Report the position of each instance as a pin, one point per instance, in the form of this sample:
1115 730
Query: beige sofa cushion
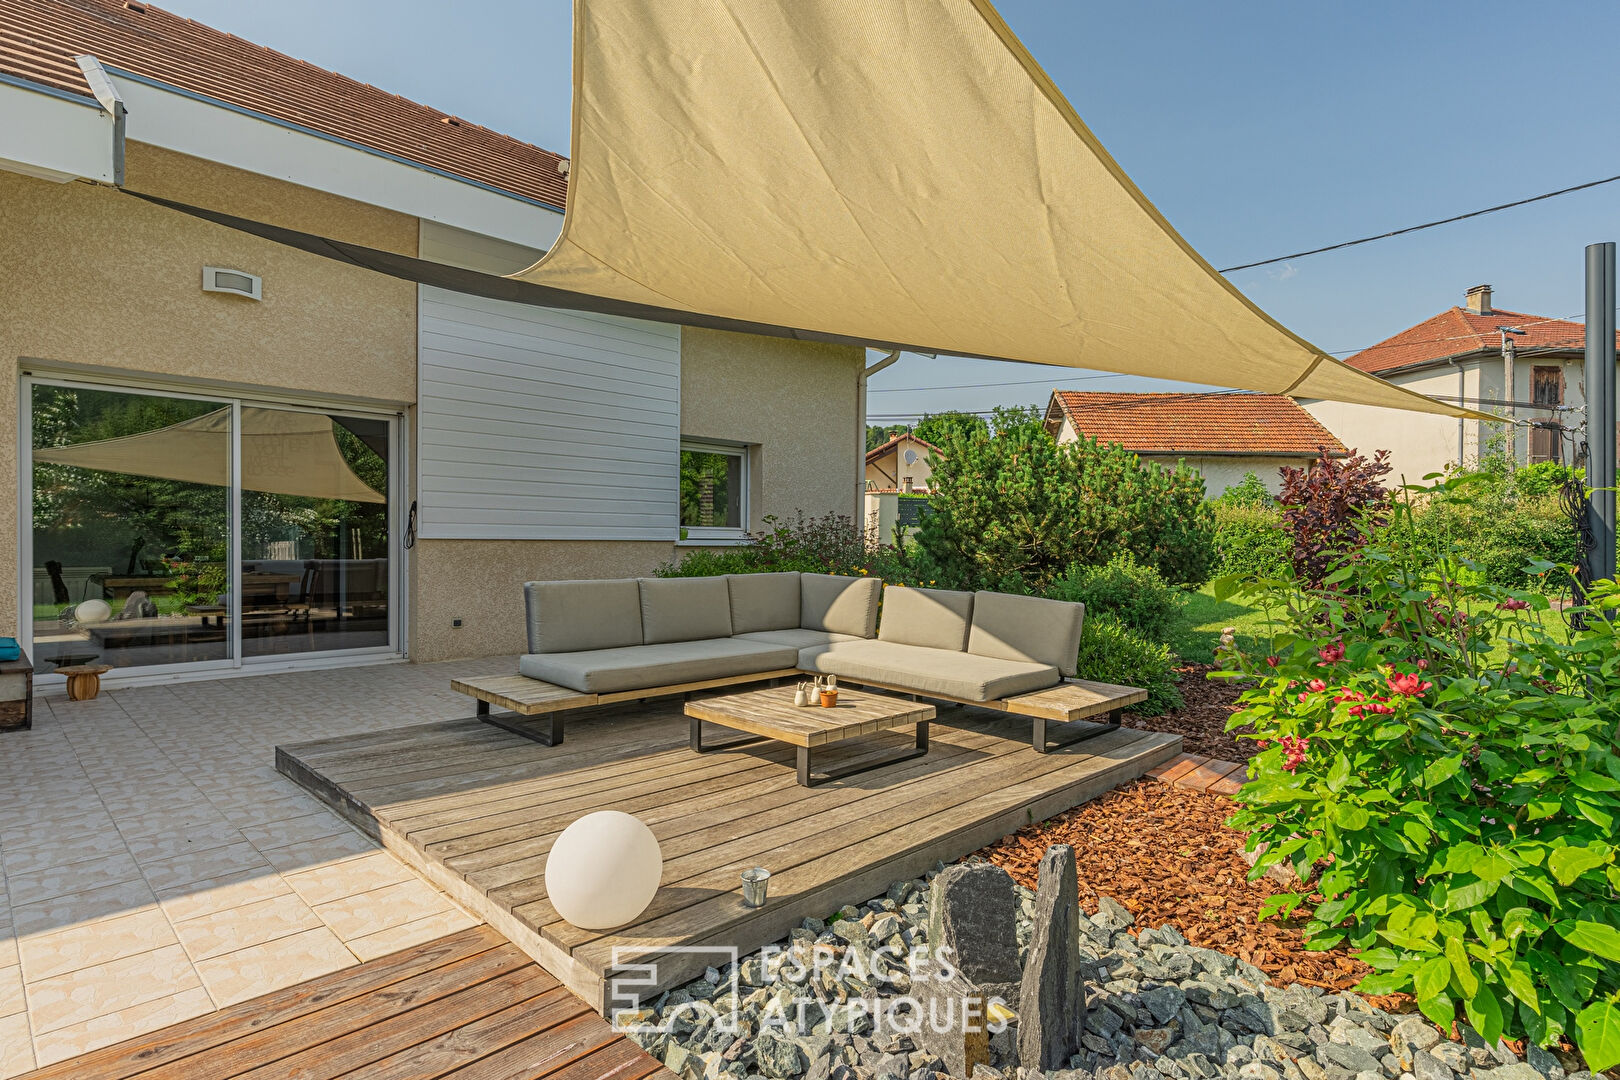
796 638
932 618
929 671
568 616
1027 628
839 605
684 609
763 602
642 667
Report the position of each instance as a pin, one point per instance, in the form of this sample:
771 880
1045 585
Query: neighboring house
1222 436
1458 356
901 464
898 480
324 464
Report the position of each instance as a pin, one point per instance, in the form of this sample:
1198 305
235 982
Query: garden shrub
1250 492
1443 749
1250 540
1112 652
1016 503
1545 478
1124 590
1326 504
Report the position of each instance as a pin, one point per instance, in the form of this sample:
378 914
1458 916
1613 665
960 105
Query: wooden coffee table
771 714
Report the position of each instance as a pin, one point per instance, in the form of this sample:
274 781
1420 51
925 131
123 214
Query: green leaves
1593 937
1432 978
1599 1027
1441 770
1485 1013
1569 863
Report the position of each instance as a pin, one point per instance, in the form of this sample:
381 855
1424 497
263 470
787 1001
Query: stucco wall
1419 443
794 402
1220 472
89 276
481 582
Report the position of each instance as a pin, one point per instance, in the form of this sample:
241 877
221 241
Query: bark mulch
1201 723
1168 856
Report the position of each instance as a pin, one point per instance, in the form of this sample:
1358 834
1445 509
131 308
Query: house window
714 491
1546 389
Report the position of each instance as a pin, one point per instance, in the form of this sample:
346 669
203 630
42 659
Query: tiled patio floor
156 866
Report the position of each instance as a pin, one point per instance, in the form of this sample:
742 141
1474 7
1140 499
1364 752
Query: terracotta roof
1257 424
1459 332
40 38
878 451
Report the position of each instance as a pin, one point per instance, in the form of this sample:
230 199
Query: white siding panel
536 424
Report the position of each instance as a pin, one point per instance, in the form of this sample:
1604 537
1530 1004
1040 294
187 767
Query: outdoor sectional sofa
597 642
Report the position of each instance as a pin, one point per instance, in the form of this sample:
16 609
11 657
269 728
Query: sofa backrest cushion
932 618
762 602
684 609
839 605
1027 628
573 616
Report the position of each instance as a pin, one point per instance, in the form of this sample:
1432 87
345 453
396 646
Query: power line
1337 352
1425 225
976 386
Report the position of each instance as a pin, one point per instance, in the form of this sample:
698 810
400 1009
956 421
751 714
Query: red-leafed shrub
1328 505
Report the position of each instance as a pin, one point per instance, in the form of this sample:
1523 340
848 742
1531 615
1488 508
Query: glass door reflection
315 545
131 528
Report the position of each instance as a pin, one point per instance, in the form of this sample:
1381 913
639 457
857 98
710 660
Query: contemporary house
1223 436
1467 354
235 455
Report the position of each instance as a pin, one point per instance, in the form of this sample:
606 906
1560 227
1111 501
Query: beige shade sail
283 452
898 172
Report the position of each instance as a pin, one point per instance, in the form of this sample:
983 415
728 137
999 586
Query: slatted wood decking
465 1007
475 809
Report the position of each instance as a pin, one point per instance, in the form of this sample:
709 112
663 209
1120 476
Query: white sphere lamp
603 870
93 611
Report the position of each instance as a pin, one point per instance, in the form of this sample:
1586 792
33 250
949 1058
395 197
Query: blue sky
1259 128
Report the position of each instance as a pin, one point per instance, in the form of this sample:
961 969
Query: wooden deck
469 1007
475 810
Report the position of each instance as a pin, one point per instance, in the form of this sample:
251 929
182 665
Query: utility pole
1600 407
1509 393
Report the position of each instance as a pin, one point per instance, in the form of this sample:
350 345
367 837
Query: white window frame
710 536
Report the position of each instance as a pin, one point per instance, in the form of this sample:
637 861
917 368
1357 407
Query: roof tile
1459 332
40 38
1234 423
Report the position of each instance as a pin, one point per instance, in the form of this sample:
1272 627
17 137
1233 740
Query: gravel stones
1156 1007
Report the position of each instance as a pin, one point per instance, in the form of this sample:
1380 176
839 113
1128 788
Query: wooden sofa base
1070 701
531 697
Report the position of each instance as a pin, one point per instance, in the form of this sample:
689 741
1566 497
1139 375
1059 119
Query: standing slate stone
1052 999
973 912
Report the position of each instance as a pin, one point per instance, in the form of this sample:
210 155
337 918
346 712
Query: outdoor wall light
603 870
222 279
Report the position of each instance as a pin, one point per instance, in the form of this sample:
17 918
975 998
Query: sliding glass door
171 530
315 559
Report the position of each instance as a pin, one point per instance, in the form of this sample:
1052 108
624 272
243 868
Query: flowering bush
1444 755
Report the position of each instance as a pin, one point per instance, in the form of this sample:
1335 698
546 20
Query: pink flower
1317 685
1331 654
1408 685
1423 665
1513 605
1294 751
1273 661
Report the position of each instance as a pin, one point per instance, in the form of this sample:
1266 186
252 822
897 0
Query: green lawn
1207 617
